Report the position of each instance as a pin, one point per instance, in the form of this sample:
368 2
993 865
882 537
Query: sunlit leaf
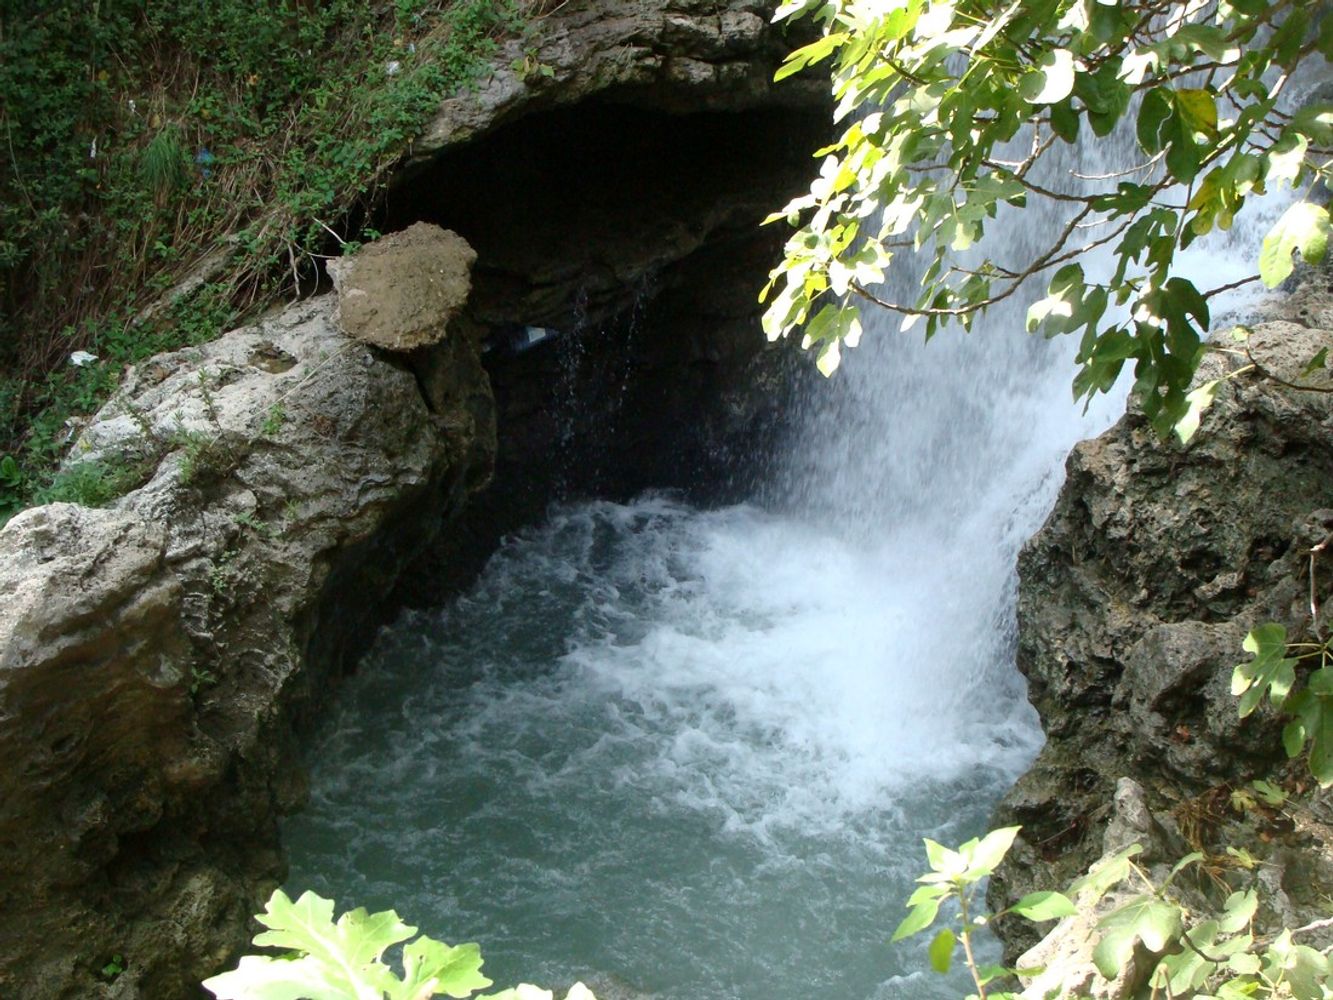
1052 80
987 854
1199 111
1199 399
1106 873
1304 227
1153 921
921 917
1039 906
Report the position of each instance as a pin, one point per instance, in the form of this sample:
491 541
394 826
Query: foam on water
684 750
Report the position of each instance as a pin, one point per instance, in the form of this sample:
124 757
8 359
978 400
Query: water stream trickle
684 753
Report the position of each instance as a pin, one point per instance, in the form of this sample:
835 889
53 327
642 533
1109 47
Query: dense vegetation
171 167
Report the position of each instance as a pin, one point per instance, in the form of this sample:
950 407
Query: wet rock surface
1137 593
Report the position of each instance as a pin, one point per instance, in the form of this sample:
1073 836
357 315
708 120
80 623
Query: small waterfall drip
590 389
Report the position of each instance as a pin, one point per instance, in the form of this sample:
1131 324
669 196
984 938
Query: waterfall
683 753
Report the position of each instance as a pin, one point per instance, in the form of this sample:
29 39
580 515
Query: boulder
402 291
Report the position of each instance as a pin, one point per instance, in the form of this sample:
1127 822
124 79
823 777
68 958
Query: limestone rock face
691 55
401 292
155 655
1136 594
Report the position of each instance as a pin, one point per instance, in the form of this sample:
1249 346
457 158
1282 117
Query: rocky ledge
1134 600
154 654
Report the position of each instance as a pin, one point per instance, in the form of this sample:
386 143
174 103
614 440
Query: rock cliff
1136 594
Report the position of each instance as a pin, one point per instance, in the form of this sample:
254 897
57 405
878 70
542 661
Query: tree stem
966 935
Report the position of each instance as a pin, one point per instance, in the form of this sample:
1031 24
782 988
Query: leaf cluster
324 959
1274 672
936 93
1211 956
954 878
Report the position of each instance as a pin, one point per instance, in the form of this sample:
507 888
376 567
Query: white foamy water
683 753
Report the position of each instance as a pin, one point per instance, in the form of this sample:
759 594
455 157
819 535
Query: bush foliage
145 143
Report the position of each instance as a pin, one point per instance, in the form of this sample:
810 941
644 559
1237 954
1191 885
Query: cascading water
688 753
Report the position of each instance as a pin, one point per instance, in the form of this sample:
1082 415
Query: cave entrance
620 253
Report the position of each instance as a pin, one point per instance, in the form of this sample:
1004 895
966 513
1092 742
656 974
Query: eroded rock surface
1136 594
154 655
692 55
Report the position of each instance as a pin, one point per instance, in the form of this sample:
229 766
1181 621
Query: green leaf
987 855
262 978
10 473
1239 909
941 858
1293 737
1286 159
1065 121
344 960
1245 963
433 965
921 917
306 925
1153 114
1199 111
1272 795
1316 363
1153 921
1039 906
941 951
1106 873
937 890
1271 671
1199 400
1194 857
1182 153
1051 81
1318 719
808 55
1186 970
1304 227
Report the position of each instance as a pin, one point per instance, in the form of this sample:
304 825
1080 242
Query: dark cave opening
620 256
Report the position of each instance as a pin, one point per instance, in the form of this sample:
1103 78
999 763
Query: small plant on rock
953 881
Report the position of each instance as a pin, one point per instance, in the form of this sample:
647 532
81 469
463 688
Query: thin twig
1283 382
1228 287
